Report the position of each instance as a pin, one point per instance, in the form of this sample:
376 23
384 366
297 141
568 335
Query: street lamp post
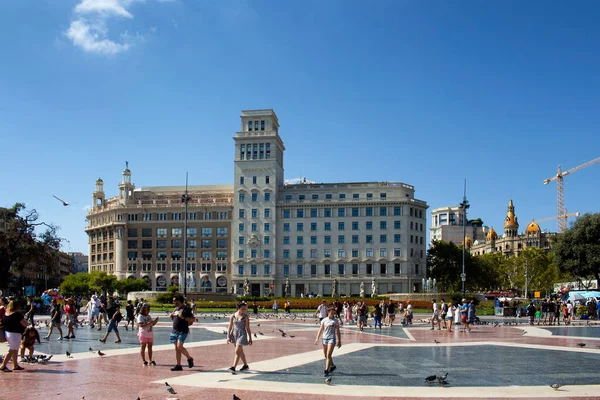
464 206
184 199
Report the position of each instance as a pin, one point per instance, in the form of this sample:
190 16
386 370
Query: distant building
511 242
80 262
447 225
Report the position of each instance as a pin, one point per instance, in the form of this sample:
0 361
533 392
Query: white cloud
106 7
88 30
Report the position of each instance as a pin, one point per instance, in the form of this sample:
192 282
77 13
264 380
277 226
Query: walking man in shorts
182 318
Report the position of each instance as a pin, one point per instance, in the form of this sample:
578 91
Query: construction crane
575 214
560 203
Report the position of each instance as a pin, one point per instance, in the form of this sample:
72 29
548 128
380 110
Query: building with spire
263 234
511 242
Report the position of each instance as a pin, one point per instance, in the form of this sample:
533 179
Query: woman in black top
14 326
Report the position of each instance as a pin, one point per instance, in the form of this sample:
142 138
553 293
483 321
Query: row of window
256 151
329 196
174 216
177 232
341 239
327 270
341 253
176 244
176 267
253 197
175 255
344 212
262 125
340 226
255 180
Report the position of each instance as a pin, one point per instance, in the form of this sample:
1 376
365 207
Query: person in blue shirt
464 310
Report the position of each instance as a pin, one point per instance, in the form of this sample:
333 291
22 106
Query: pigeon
255 335
292 336
69 355
581 344
170 389
138 398
256 325
101 353
61 200
443 378
430 378
435 341
555 386
235 398
260 333
283 334
90 349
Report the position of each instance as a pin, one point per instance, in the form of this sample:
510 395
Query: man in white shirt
435 316
322 310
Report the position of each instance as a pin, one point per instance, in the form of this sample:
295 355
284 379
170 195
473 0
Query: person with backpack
531 312
114 313
182 318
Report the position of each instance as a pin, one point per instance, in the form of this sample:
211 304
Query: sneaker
177 368
153 363
23 360
190 362
145 363
59 339
332 368
67 337
326 373
244 368
72 336
232 370
5 369
117 341
102 340
47 337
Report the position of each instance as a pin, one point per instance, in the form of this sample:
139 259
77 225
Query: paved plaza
503 361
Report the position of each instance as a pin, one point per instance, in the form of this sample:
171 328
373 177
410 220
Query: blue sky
423 92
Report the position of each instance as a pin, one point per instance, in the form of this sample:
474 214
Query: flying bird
555 386
62 201
170 389
101 353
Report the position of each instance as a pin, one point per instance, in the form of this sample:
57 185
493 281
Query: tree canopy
84 283
21 245
577 250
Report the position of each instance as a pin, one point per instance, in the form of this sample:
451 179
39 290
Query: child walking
113 325
28 341
238 333
330 329
145 333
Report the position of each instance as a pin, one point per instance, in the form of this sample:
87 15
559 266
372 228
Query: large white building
263 231
447 225
307 234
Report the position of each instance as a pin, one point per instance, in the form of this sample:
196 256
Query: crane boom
560 196
575 214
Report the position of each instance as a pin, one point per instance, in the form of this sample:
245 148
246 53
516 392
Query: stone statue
373 288
334 288
287 287
362 289
246 287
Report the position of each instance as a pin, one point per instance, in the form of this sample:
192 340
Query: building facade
447 225
261 234
140 234
511 242
80 262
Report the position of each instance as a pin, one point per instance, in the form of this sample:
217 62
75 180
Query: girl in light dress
145 333
238 333
347 312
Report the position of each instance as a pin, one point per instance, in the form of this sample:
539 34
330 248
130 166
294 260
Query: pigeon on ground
292 336
170 389
260 333
443 377
555 386
256 325
283 334
69 355
235 397
90 349
101 353
430 378
435 341
255 335
581 344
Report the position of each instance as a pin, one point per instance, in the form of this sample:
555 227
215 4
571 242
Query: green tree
491 268
101 282
577 250
76 284
22 246
444 263
125 286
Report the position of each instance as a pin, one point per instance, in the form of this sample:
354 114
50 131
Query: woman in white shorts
14 326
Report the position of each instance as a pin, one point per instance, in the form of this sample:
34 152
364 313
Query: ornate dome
468 241
533 227
491 235
511 219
